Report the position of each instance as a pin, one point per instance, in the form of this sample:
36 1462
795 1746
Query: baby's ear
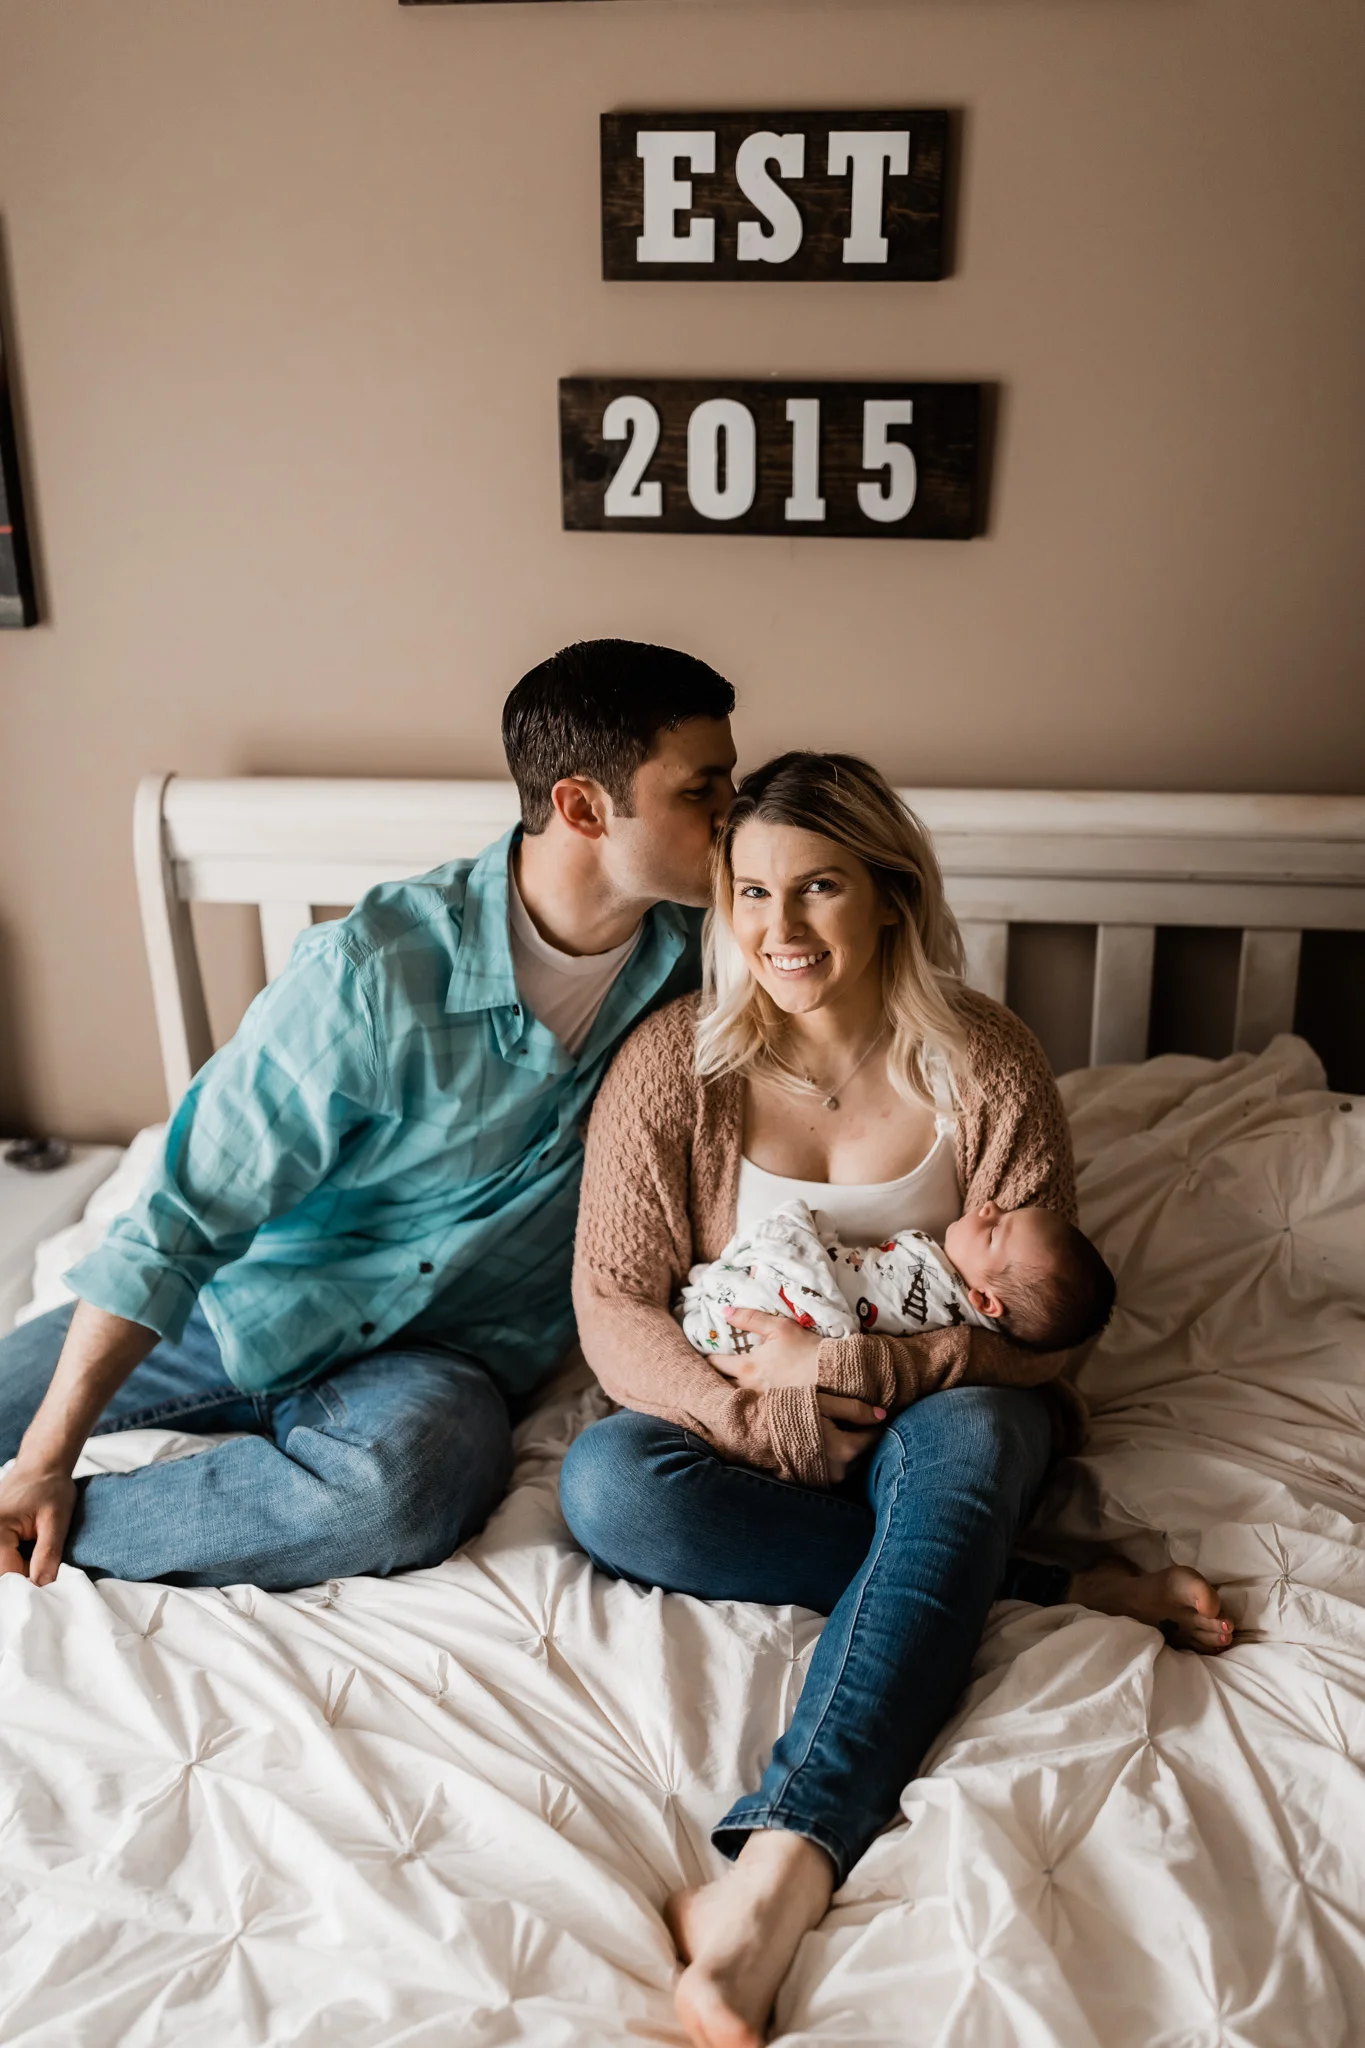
986 1302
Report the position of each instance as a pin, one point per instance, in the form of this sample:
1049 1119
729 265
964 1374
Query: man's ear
986 1303
582 805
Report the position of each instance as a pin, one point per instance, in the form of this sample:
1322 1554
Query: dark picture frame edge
19 599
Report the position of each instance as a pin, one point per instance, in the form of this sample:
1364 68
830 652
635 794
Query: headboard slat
1121 1006
987 947
281 924
1267 985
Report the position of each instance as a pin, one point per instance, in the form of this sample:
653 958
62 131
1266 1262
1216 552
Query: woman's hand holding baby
785 1355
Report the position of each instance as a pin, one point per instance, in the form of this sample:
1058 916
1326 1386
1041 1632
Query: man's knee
416 1515
414 1497
444 1496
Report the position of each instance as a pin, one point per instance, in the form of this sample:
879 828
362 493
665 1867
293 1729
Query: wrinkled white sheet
446 1809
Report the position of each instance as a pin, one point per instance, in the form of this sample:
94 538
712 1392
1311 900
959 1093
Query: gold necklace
830 1099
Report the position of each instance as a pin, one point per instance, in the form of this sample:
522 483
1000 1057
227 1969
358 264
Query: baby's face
989 1244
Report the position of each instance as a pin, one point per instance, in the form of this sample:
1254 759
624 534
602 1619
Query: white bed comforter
446 1808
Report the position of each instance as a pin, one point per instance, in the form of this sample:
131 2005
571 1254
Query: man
357 1244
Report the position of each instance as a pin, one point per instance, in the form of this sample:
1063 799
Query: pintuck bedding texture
447 1807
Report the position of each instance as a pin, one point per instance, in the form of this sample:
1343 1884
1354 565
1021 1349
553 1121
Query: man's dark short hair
596 709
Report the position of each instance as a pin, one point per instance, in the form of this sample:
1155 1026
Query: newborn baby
1028 1274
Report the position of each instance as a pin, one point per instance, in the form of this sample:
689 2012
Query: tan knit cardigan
660 1184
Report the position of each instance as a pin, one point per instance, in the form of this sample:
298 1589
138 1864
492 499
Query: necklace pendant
831 1102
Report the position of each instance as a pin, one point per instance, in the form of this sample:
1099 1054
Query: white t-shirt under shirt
564 990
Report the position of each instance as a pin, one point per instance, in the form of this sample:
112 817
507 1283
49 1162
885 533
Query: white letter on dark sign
627 497
783 238
869 153
712 418
805 502
667 195
886 504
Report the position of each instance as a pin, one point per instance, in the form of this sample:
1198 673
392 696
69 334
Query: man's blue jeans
905 1565
391 1461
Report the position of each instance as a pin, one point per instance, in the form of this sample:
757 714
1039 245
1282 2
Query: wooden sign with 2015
681 455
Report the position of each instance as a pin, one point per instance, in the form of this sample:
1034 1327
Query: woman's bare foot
1178 1601
738 1936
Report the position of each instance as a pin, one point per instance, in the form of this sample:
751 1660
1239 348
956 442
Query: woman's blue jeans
905 1563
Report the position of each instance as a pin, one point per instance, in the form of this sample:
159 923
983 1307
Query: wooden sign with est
846 198
681 455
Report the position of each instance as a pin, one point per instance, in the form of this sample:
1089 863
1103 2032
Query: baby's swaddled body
792 1264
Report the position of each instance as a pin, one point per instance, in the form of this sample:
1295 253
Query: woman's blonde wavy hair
845 800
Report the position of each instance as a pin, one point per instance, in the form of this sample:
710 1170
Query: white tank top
927 1198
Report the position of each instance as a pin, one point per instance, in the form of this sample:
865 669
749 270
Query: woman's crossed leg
907 1575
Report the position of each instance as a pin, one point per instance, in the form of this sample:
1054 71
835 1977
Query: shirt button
367 1329
516 1009
426 1267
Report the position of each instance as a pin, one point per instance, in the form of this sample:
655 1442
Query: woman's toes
1191 1631
1196 1610
1179 1601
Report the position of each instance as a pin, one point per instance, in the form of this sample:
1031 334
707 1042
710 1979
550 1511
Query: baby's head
1034 1273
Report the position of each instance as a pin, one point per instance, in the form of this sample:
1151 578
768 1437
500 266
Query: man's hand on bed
35 1508
37 1494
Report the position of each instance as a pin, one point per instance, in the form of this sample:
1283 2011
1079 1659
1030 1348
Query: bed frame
1271 866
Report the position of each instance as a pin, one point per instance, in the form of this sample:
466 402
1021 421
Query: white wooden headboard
1271 866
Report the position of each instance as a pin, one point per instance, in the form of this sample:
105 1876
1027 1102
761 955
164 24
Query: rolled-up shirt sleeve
260 1127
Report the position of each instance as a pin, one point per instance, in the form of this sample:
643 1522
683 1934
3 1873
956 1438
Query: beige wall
293 281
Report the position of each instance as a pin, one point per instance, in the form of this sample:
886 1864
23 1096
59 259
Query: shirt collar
483 977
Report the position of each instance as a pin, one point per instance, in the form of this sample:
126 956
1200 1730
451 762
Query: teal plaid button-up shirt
391 1142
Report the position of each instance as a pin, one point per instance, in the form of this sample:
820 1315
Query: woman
835 1055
